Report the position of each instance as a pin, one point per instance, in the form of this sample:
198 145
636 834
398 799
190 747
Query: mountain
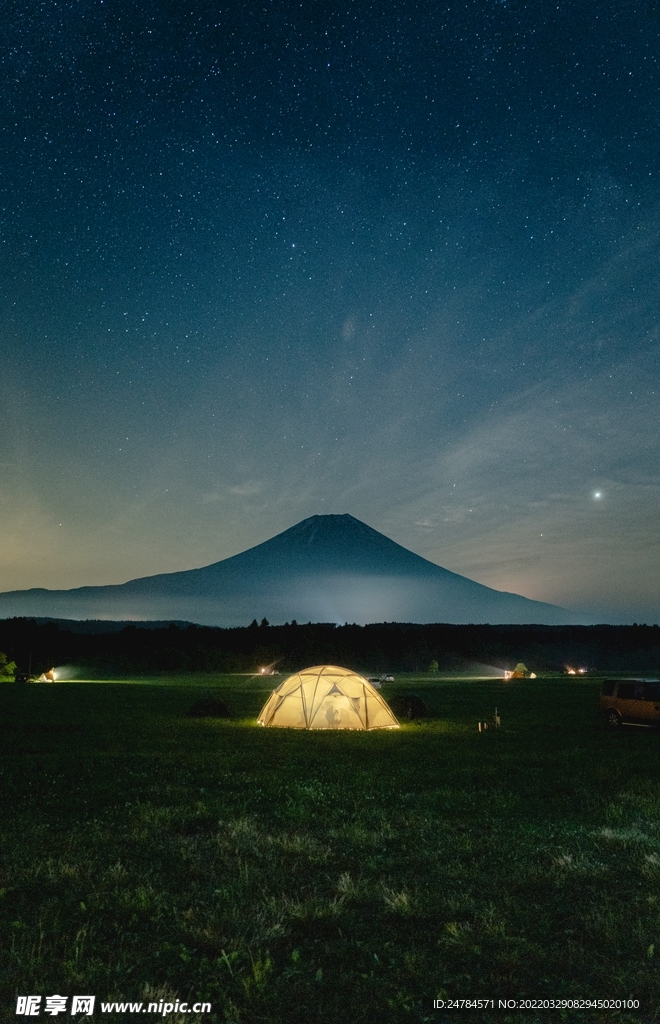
330 568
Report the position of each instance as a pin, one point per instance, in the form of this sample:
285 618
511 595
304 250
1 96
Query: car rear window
607 689
652 691
626 691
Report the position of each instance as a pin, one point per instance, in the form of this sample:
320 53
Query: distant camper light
326 697
519 672
47 677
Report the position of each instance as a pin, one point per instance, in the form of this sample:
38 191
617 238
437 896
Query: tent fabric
326 697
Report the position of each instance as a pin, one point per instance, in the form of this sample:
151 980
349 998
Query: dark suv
631 702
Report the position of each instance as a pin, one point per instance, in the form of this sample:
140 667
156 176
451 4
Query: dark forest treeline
384 647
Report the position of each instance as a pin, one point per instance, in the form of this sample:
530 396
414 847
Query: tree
433 667
7 668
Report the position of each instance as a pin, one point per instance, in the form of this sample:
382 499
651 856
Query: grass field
328 877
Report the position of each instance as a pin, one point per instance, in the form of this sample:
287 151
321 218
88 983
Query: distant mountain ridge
328 568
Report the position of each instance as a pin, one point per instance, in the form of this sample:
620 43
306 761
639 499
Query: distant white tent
326 697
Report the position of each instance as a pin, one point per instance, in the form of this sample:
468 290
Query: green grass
328 877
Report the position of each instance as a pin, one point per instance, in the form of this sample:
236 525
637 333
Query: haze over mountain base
330 568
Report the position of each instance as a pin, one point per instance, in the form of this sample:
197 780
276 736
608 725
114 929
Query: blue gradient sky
397 261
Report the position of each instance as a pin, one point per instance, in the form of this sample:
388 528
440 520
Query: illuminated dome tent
326 697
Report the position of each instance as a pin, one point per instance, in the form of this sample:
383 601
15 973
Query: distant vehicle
631 702
22 677
376 681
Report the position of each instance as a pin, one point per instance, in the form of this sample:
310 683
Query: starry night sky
263 261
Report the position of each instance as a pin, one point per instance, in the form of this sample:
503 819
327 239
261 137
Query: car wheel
613 720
